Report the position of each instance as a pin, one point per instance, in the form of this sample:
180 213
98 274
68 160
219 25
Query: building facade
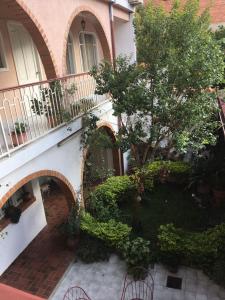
46 51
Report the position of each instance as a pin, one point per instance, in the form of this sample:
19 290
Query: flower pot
19 138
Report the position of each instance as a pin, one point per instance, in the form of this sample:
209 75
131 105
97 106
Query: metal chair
75 293
138 289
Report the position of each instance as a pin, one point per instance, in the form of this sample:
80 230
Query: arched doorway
37 247
101 160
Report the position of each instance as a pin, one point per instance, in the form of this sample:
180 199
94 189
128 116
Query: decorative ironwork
28 112
76 293
141 288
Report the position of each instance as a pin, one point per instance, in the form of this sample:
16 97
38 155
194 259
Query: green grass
172 204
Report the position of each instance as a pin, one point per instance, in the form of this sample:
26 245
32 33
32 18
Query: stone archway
16 10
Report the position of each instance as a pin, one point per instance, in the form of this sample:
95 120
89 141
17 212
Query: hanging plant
13 213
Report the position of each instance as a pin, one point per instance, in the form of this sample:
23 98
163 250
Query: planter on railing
42 107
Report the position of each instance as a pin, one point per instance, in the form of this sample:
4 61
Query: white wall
124 3
67 159
125 38
18 236
44 154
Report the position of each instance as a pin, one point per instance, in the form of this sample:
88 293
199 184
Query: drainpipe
111 17
111 2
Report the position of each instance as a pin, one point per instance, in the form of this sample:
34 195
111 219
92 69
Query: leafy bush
112 232
72 225
199 250
91 249
115 234
136 252
104 200
177 169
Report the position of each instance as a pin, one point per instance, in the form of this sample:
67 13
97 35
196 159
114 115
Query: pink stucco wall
57 17
53 20
7 77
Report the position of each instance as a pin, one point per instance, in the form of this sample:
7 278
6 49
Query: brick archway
17 10
64 184
116 159
99 28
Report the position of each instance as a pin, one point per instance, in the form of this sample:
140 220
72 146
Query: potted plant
13 213
49 104
19 135
71 228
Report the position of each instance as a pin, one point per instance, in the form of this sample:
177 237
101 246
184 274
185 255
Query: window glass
3 64
88 51
71 69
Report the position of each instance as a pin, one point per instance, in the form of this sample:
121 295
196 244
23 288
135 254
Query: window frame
70 35
96 48
3 55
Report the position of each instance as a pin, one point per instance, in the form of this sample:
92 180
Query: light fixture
83 24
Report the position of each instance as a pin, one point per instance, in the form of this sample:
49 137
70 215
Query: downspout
111 16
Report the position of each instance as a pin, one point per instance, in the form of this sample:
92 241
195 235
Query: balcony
28 112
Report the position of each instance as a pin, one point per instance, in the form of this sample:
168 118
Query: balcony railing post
4 137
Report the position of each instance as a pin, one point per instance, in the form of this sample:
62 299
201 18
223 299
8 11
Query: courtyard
105 280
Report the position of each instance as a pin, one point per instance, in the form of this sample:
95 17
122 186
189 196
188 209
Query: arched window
71 68
88 49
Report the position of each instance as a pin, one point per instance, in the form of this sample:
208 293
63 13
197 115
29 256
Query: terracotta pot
18 139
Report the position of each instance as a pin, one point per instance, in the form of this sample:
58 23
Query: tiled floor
105 281
41 265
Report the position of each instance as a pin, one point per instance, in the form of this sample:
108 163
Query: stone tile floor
105 281
41 265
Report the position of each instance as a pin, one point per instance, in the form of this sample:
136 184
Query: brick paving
40 266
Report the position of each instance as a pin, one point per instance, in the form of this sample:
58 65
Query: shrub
199 250
91 249
117 235
71 227
104 200
136 252
112 232
177 170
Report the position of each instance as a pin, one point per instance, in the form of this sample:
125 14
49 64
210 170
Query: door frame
10 26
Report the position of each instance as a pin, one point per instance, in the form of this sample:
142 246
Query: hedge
104 200
112 232
201 250
115 234
173 167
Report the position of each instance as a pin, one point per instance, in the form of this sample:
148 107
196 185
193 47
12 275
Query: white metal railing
30 111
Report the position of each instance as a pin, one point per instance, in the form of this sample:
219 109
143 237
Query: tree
164 98
219 35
